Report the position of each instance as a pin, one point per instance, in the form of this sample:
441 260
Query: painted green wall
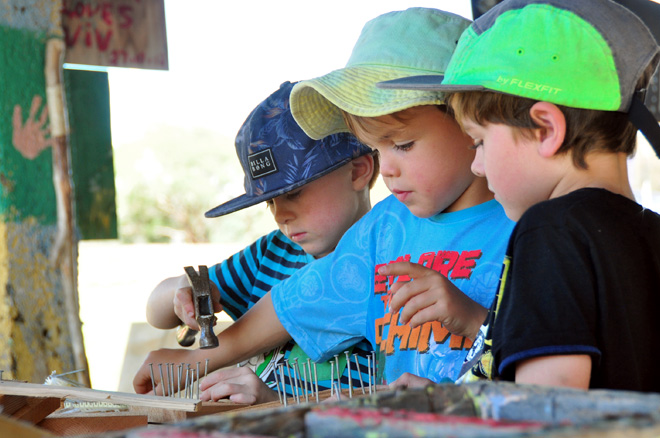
33 330
27 187
90 140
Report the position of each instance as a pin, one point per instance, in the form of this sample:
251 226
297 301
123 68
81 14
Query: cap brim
426 83
316 104
245 201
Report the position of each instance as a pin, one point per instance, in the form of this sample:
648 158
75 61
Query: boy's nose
281 211
388 168
478 164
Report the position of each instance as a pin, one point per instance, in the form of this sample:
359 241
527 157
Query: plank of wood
162 416
95 423
30 409
10 427
209 408
323 395
8 387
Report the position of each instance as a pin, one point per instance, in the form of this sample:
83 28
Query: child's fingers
222 375
418 299
215 298
405 291
241 385
243 398
398 269
184 308
407 380
420 312
400 293
218 391
401 268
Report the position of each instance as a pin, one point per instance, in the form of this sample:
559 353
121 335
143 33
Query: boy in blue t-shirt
315 190
441 219
552 93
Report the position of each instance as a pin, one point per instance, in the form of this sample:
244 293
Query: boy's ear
362 171
552 129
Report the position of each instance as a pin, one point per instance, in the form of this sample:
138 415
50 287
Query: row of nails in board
182 380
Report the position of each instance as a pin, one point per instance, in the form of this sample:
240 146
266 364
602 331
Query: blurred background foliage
167 179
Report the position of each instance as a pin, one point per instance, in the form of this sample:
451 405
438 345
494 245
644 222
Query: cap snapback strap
645 121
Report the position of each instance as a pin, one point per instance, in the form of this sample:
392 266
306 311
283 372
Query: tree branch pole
64 252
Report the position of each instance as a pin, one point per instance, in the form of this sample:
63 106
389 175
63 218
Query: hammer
201 287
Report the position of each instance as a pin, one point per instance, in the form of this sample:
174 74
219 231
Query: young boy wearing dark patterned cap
315 189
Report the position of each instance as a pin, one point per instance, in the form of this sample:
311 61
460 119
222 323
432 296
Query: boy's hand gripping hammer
203 305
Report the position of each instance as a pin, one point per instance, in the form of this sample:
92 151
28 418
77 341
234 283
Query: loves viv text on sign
115 33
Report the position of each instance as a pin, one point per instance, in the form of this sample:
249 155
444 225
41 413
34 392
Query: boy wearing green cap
441 218
551 92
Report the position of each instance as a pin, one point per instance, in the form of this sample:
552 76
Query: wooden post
64 253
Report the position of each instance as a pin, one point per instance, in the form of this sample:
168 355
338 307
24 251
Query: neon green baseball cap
578 53
416 41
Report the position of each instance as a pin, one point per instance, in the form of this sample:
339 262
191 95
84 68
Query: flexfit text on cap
277 156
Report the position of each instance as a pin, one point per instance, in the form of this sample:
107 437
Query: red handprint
33 137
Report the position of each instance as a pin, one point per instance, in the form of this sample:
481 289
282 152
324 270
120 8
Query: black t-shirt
584 278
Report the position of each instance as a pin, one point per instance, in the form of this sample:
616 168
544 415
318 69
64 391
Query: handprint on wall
33 136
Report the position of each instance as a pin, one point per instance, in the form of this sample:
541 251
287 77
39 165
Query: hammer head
203 305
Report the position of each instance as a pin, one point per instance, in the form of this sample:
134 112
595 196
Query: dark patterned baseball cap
278 157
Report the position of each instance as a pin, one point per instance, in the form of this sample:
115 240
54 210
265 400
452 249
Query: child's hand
407 380
241 385
184 307
142 379
432 297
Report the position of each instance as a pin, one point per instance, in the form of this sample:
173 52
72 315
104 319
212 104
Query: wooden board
10 427
162 416
8 387
87 424
30 409
324 396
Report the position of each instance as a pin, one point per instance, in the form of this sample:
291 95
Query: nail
299 381
191 373
162 384
295 385
316 383
359 373
350 378
332 377
284 394
369 371
153 381
170 379
277 385
198 380
288 372
304 379
374 365
338 375
187 379
179 367
309 373
337 391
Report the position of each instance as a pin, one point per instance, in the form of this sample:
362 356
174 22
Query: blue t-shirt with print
339 300
246 277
